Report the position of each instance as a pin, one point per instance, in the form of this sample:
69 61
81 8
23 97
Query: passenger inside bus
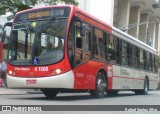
111 53
60 44
48 48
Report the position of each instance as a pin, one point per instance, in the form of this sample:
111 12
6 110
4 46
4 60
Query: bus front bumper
64 81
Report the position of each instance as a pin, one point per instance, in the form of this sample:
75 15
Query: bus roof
136 41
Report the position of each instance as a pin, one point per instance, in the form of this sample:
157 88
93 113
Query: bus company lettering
22 68
124 72
80 75
39 14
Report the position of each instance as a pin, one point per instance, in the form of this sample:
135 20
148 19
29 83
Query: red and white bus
63 48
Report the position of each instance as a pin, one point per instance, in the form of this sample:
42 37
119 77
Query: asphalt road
82 99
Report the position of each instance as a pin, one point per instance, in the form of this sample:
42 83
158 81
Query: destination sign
39 14
42 13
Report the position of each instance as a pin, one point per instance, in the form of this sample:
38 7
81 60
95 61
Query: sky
106 14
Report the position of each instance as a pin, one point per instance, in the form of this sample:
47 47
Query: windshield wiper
45 25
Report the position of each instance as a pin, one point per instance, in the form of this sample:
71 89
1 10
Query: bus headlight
10 72
57 71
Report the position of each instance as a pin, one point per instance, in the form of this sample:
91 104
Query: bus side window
117 55
82 44
141 59
148 61
135 57
78 42
130 63
99 45
145 59
78 50
124 53
153 69
156 64
111 49
86 46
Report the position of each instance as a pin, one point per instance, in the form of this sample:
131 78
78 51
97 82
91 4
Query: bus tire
145 90
50 93
100 86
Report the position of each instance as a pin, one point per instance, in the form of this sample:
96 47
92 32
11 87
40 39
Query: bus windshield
38 42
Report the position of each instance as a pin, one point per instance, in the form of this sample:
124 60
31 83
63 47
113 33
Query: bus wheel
144 91
50 93
100 86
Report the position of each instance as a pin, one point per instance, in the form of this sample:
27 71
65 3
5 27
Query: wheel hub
101 85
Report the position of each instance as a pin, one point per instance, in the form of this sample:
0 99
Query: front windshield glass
38 42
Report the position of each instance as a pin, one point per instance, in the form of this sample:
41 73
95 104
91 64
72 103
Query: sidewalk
7 91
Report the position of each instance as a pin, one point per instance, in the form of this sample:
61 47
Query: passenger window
99 45
141 66
82 44
124 53
117 50
111 49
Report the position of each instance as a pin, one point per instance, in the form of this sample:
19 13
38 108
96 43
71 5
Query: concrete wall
143 28
151 34
157 34
134 18
122 13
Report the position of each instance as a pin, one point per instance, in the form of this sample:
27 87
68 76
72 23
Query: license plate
31 81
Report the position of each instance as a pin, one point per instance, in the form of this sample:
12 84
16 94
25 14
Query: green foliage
19 5
54 2
15 5
159 61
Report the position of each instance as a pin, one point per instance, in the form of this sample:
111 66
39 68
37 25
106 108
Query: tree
54 2
14 6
